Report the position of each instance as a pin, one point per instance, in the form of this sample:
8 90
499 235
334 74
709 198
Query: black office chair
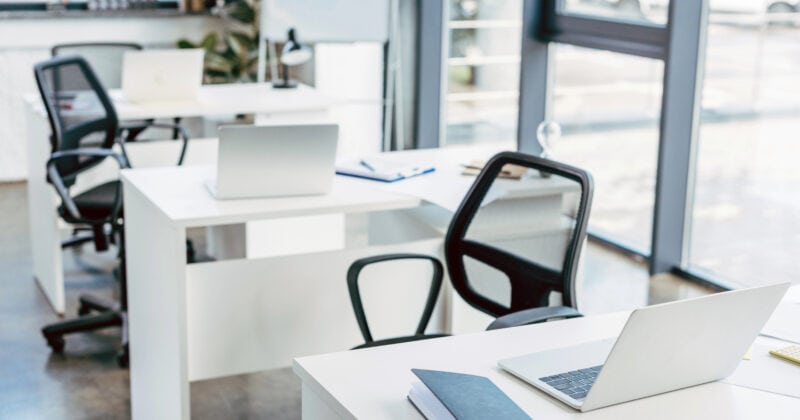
80 114
105 59
509 269
84 128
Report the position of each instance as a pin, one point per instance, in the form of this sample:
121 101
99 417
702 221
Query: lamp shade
293 53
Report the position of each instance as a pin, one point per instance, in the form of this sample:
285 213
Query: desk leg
156 268
227 242
45 236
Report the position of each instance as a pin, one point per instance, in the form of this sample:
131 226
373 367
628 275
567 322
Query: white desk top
181 193
373 383
223 99
226 99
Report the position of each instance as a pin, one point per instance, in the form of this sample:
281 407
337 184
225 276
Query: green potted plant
231 57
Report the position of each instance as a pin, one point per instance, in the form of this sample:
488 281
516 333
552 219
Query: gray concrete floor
85 382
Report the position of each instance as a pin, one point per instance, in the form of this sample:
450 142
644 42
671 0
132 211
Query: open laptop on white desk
274 160
162 75
662 348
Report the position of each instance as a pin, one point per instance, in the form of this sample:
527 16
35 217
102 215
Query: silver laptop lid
162 75
276 160
680 344
662 348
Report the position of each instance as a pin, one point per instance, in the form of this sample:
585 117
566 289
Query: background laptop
661 348
162 75
274 160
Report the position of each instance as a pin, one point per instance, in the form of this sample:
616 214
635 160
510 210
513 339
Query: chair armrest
355 295
58 182
182 132
532 316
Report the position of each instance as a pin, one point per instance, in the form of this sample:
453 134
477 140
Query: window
608 105
635 10
746 214
483 71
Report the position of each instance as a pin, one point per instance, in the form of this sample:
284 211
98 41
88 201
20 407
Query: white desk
284 105
373 383
197 321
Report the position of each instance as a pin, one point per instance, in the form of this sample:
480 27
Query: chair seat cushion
95 203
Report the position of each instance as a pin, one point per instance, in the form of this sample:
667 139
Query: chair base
76 240
108 316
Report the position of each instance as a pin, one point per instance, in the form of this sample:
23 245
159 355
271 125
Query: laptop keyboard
576 383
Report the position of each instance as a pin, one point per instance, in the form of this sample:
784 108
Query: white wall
353 73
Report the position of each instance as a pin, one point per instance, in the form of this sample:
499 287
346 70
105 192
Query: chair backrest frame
63 138
525 294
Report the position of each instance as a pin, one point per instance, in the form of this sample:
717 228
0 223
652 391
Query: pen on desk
364 163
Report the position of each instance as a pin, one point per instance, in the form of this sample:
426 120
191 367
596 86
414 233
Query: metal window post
534 74
680 120
431 73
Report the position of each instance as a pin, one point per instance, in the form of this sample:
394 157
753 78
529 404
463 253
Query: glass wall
654 11
483 71
608 105
744 206
746 213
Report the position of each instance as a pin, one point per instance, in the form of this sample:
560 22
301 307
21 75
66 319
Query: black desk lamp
292 54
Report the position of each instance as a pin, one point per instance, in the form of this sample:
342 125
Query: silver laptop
162 75
274 160
662 348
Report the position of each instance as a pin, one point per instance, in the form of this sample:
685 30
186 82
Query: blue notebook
449 395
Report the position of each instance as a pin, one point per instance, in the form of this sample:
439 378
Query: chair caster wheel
123 359
56 343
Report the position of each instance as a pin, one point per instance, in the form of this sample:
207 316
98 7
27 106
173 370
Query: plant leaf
217 62
209 42
184 43
241 11
235 44
248 42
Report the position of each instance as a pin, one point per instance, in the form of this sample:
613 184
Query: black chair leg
76 240
90 303
54 334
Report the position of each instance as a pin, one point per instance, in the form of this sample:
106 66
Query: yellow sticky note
748 355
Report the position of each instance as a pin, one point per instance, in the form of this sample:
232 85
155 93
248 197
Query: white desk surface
181 193
222 99
373 383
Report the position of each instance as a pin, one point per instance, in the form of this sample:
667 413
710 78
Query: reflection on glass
608 106
746 215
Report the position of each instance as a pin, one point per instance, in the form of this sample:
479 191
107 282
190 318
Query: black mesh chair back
79 110
502 264
104 57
